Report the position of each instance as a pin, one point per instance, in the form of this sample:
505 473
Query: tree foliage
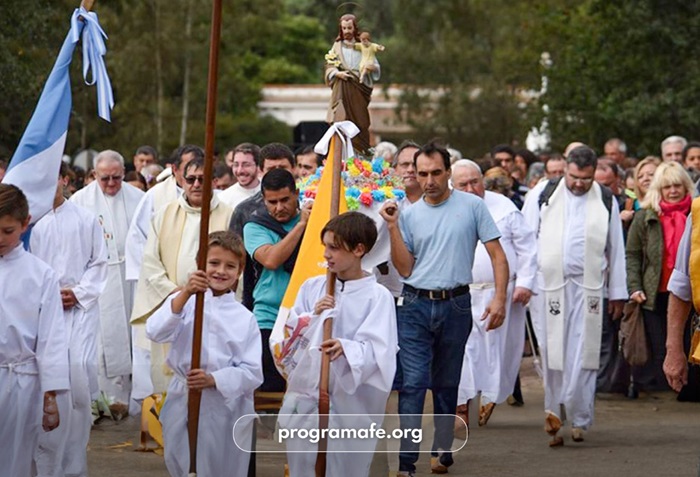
625 68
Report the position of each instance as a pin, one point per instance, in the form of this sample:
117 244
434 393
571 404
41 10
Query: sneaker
439 465
405 473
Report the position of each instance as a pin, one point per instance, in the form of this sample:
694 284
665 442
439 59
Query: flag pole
195 396
324 380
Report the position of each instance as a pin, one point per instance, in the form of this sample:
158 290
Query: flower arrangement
332 59
366 182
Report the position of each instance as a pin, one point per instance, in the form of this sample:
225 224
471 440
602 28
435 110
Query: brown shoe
556 441
485 413
462 422
119 410
552 424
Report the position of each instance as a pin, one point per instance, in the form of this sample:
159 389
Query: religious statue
351 70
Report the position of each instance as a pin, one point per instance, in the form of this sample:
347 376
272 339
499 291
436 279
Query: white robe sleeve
531 209
372 350
52 339
137 236
525 245
246 374
617 273
93 281
152 268
164 325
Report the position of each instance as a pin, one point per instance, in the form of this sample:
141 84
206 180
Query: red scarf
672 218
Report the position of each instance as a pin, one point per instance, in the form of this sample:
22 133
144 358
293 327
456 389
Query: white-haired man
492 357
672 148
114 203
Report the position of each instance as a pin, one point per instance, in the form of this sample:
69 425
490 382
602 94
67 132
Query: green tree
626 69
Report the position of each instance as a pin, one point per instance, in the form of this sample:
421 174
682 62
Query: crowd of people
480 251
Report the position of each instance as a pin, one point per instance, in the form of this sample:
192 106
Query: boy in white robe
33 344
231 365
69 239
363 351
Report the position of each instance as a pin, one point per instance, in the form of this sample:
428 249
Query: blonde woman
652 244
643 174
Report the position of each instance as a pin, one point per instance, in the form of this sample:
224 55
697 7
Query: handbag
633 340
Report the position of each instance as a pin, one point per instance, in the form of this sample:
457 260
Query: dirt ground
651 436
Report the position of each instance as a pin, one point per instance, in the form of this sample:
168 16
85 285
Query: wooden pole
195 397
324 401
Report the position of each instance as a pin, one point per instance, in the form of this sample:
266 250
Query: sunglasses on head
192 179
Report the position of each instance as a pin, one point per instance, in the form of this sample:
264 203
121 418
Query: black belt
438 294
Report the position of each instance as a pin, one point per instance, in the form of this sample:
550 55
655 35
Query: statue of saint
350 95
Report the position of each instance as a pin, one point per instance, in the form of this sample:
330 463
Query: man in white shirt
246 157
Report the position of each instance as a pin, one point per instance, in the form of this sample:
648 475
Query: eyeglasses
107 179
582 180
192 179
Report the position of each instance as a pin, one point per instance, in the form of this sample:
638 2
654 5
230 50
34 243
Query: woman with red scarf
652 243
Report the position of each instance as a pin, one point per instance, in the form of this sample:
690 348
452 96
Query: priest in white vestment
70 240
169 257
155 199
246 170
581 261
114 203
492 358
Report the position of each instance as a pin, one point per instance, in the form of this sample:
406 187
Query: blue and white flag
35 164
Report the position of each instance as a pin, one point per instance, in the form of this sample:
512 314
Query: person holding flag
362 350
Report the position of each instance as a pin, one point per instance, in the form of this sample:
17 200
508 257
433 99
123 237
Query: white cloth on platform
236 194
232 354
33 354
70 240
492 358
115 214
574 384
360 380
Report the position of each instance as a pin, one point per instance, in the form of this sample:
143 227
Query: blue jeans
432 336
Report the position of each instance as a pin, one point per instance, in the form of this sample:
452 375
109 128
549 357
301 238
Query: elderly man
580 251
432 246
169 257
244 164
114 203
615 149
684 288
492 359
672 148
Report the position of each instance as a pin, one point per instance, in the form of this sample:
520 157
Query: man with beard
350 97
246 157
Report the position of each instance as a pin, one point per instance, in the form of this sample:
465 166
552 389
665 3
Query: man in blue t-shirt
272 237
432 247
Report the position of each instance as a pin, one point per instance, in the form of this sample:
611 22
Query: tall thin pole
195 397
324 381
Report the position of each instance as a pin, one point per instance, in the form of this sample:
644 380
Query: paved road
652 436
